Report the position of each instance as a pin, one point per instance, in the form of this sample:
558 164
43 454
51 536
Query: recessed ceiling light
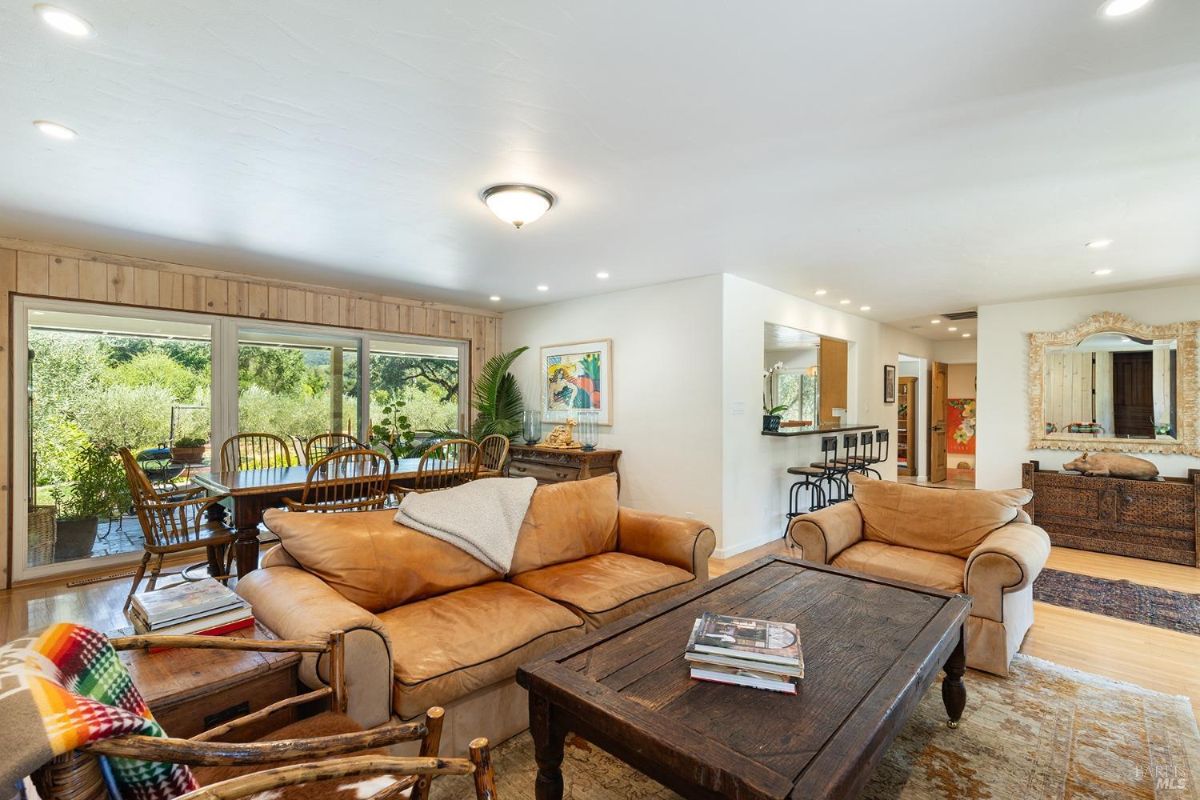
1098 244
952 329
495 298
966 336
1119 8
543 287
935 322
517 203
602 276
864 308
1102 272
54 130
820 292
64 21
845 302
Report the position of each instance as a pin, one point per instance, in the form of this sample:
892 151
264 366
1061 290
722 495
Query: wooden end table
190 691
872 647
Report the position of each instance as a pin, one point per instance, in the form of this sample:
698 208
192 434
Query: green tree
155 368
278 370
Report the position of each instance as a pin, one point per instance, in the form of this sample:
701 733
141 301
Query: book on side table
205 607
746 652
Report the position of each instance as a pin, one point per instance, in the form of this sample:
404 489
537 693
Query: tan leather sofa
980 543
429 625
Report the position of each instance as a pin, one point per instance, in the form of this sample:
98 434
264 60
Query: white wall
956 351
666 344
1003 428
755 484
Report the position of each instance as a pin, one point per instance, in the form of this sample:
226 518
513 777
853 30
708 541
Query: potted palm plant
97 488
499 405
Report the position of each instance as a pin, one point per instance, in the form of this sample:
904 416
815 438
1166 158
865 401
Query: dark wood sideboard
551 465
1158 520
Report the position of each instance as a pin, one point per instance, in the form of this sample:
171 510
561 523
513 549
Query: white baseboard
741 547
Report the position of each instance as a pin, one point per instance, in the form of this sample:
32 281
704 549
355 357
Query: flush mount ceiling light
64 21
1120 8
54 130
517 204
1098 244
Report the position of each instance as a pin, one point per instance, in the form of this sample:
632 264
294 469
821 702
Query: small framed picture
889 383
577 377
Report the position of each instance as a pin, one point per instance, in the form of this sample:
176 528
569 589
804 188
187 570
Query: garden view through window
100 381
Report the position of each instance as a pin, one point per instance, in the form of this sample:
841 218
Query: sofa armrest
823 534
683 543
295 604
1008 560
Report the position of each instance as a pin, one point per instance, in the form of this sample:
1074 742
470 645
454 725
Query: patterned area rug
1149 605
1045 732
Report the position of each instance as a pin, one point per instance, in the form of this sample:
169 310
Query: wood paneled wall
45 270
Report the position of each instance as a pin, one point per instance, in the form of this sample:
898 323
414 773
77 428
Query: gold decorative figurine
563 437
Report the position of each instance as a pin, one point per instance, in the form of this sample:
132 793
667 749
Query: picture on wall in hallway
960 417
577 377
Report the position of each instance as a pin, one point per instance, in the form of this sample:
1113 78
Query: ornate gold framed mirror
1111 384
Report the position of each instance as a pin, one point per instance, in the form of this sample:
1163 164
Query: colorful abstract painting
577 377
960 414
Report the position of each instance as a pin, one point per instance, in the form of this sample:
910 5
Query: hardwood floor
1155 658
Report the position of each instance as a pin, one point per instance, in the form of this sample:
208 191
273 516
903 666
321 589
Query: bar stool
832 473
812 478
869 457
882 449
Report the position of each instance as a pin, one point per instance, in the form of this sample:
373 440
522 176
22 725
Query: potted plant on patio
393 430
97 488
188 449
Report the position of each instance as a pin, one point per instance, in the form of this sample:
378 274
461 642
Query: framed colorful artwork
960 423
889 383
577 377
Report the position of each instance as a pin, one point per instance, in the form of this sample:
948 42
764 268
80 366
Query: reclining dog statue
1113 465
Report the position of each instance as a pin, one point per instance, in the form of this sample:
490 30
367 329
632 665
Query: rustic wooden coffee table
872 647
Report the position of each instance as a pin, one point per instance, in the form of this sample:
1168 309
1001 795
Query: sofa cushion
567 521
605 587
937 520
371 559
935 570
448 646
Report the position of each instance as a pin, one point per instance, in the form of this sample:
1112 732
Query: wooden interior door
939 374
906 426
832 373
1133 394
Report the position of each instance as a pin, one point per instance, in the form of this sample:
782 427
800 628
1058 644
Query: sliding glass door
90 379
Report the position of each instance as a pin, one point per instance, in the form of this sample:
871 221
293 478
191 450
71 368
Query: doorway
912 417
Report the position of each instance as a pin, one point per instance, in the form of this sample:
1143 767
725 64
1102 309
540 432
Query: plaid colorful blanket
65 688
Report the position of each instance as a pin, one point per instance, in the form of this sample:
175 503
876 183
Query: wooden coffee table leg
548 740
954 692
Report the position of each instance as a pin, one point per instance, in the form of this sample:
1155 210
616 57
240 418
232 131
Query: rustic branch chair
299 444
255 451
77 775
323 444
448 463
174 522
346 480
493 456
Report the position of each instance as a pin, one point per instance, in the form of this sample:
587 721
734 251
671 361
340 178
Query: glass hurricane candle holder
589 429
531 427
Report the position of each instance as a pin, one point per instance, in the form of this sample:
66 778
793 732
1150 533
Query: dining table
253 491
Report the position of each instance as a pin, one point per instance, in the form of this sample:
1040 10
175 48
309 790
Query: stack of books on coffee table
204 607
746 652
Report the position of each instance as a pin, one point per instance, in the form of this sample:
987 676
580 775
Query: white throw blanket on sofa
482 517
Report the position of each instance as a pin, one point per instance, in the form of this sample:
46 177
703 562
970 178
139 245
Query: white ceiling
781 337
918 157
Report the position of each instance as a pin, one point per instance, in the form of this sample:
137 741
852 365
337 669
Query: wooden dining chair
174 522
220 758
323 444
346 480
255 451
448 463
493 456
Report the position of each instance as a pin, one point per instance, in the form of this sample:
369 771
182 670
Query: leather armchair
997 572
